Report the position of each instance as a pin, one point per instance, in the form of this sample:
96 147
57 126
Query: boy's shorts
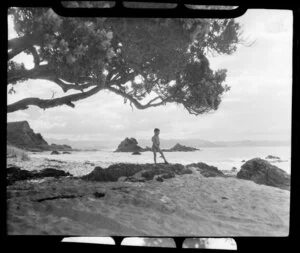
155 149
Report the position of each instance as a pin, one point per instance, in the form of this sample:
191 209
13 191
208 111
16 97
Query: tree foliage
149 62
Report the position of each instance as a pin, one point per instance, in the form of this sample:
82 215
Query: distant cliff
21 135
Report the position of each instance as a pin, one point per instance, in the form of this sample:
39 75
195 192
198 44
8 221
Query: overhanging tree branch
41 72
36 58
65 87
136 103
19 44
48 103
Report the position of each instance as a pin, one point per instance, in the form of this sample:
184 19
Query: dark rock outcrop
262 172
207 170
112 173
16 174
272 157
129 145
180 148
55 152
20 134
66 152
148 171
136 153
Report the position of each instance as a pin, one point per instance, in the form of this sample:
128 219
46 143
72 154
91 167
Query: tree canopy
149 61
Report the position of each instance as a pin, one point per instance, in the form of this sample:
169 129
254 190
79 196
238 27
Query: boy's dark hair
156 130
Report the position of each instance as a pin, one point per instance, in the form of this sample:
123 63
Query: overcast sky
258 106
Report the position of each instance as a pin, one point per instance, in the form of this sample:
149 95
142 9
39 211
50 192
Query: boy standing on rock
155 146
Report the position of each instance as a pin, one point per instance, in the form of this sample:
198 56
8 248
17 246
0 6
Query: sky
257 107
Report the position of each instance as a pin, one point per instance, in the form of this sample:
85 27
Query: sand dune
187 205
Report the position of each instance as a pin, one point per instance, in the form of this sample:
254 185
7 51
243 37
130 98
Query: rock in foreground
16 174
136 172
262 172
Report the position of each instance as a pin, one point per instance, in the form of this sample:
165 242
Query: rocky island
131 145
180 148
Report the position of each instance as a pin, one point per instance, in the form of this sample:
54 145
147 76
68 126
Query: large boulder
136 172
180 148
262 172
55 152
207 170
129 145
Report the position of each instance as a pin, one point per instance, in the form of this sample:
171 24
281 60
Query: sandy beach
187 205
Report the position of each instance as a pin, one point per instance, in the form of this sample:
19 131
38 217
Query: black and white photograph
147 126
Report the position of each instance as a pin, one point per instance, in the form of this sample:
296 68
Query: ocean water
222 157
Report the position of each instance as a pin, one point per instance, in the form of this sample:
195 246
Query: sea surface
222 157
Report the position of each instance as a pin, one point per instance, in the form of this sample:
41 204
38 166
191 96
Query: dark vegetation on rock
136 153
207 170
262 172
55 152
15 173
148 171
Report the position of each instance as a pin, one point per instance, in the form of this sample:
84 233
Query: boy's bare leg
154 155
162 154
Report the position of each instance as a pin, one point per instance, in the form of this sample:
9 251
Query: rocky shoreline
134 199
